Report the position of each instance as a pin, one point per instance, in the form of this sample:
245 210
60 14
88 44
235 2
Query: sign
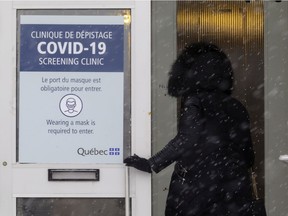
71 74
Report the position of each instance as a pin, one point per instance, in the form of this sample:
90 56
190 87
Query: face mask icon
71 105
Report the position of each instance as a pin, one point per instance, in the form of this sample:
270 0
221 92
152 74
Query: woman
212 149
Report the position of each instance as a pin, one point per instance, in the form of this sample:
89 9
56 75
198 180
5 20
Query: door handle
283 158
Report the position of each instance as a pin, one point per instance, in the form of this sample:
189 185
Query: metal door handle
127 191
283 158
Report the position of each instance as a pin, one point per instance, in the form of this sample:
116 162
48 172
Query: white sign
71 89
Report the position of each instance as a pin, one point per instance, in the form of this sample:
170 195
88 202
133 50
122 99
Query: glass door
75 101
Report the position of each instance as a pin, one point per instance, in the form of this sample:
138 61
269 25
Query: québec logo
114 151
98 152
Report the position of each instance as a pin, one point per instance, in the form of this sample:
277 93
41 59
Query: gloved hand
138 163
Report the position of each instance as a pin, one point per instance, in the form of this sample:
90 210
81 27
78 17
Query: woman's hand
138 163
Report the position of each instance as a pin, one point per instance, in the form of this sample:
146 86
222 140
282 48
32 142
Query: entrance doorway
237 28
234 26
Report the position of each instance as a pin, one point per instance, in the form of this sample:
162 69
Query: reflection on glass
70 206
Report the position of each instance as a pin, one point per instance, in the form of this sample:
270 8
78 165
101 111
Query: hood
201 67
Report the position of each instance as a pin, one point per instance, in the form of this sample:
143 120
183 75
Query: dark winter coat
212 149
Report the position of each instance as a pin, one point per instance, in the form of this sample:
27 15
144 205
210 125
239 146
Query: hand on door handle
283 158
138 163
